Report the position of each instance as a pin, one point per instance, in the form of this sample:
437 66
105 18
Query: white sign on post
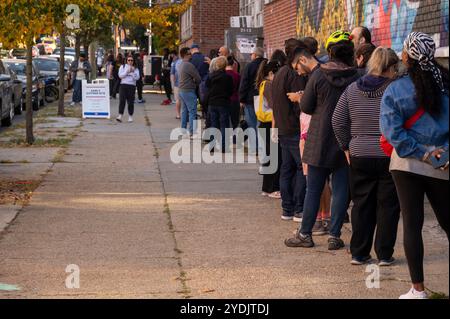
96 103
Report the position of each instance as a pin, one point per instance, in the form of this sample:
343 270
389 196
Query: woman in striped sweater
356 126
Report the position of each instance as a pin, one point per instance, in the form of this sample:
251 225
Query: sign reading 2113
96 103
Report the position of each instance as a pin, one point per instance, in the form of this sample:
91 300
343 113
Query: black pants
235 114
126 94
139 87
111 86
411 189
167 86
375 206
116 87
271 182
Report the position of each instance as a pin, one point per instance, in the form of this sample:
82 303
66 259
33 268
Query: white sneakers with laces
414 294
130 119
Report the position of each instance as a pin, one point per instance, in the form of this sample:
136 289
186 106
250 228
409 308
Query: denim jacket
399 104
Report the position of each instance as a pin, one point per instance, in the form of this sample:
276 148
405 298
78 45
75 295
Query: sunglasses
130 60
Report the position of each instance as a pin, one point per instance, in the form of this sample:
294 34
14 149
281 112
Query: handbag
262 109
384 143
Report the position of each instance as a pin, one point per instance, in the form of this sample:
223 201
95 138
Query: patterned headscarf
421 47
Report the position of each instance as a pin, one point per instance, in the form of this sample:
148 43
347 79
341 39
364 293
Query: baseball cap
195 46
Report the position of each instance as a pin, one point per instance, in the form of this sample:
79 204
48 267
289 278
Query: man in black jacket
248 91
322 152
287 121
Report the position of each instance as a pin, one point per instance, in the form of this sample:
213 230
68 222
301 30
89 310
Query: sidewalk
139 226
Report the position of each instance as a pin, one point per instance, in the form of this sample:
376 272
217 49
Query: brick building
280 18
389 21
205 22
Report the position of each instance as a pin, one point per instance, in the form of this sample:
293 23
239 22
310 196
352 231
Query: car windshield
18 68
47 65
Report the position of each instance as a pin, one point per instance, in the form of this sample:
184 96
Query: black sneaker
287 216
386 262
358 261
300 241
335 243
298 217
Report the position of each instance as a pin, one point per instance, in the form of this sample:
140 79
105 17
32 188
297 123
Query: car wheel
36 105
8 120
18 109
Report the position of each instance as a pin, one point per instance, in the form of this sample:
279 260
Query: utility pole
150 40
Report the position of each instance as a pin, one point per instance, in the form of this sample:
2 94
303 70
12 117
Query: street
136 225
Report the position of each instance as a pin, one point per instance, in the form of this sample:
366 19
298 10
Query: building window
255 9
186 24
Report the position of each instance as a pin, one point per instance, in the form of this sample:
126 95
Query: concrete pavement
139 226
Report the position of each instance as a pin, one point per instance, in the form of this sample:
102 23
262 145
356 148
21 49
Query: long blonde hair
382 60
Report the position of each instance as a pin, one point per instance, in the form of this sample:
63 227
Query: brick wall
210 18
390 21
280 18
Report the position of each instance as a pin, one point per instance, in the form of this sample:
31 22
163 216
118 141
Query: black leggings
411 189
126 94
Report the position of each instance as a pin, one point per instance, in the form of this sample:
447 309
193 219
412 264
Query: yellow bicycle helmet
336 37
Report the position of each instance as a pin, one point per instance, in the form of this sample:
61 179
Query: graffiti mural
389 21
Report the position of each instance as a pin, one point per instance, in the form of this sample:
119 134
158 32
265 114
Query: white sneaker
130 119
72 103
119 118
414 294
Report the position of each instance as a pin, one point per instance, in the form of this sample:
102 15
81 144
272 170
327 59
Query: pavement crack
185 290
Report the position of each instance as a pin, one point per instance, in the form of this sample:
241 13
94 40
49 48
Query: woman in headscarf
417 162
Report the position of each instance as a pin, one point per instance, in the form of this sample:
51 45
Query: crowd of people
357 124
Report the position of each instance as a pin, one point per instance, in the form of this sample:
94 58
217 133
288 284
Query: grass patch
17 192
39 142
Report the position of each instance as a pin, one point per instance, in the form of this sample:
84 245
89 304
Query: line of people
336 117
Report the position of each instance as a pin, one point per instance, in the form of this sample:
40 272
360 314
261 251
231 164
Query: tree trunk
86 46
92 60
29 92
61 72
77 46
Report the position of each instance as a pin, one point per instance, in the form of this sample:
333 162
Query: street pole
150 44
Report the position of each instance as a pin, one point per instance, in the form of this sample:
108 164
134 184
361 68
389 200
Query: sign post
96 103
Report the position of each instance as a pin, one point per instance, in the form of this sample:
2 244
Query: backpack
263 111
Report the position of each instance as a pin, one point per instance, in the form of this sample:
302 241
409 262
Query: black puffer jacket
321 95
220 89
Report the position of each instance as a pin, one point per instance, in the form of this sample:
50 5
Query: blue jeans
317 177
220 119
76 97
188 109
292 179
252 121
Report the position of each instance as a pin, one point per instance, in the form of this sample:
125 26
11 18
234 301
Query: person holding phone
416 149
128 74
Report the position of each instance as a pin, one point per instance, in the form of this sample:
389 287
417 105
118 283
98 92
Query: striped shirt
356 121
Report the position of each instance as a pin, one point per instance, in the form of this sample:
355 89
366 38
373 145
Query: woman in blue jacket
425 86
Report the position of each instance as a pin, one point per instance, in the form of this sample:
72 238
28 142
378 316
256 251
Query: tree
21 21
164 18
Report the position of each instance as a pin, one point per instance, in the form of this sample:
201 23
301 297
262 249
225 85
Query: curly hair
428 93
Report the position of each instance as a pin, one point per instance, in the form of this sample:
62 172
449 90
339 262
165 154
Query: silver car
6 97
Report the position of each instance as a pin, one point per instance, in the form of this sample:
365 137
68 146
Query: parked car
38 85
68 59
6 99
16 84
19 53
49 67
